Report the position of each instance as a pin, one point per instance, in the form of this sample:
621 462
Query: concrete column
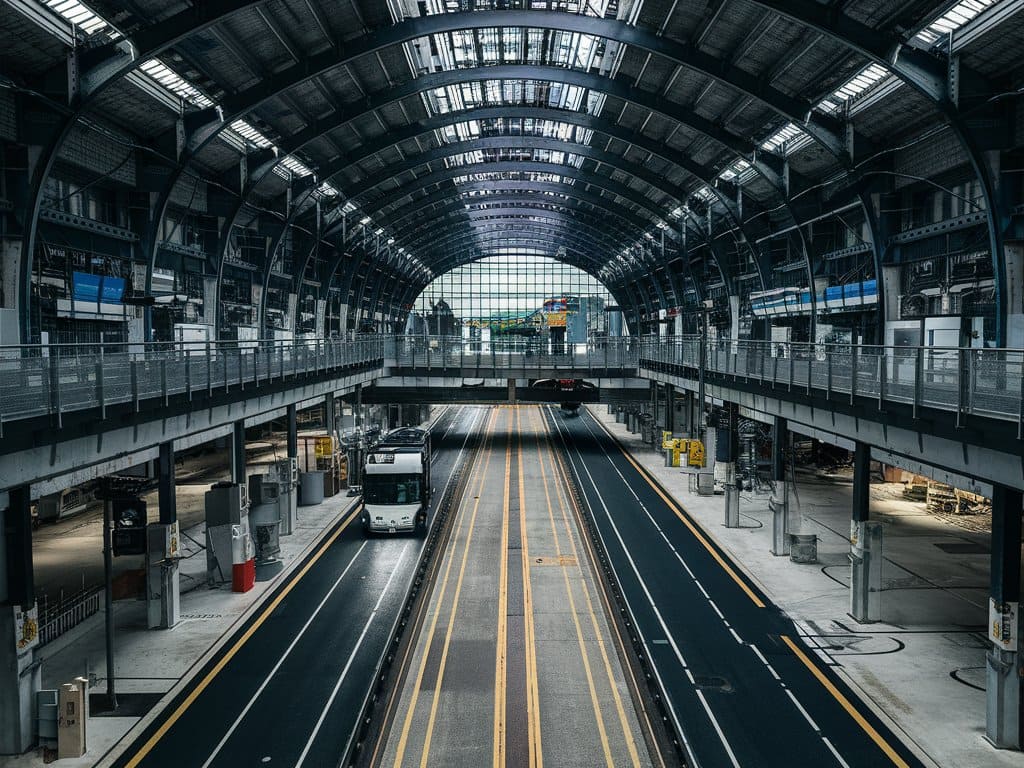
1004 671
728 450
865 544
779 501
293 433
163 588
238 453
357 409
329 413
670 408
166 488
20 675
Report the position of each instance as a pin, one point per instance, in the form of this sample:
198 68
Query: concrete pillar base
20 681
780 522
866 571
1003 692
163 587
732 497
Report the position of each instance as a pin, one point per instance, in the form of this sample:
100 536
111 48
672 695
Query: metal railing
978 381
67 614
58 378
464 357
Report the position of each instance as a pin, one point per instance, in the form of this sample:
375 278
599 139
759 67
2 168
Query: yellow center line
436 698
563 503
146 748
698 534
598 716
501 652
846 704
532 687
411 711
396 692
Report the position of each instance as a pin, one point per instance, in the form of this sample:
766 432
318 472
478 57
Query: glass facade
520 293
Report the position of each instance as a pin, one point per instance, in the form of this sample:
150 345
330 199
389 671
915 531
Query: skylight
956 17
963 12
250 134
859 83
81 16
175 83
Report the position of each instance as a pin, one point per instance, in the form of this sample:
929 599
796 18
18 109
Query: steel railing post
99 386
55 383
853 372
961 386
188 374
163 378
828 374
209 371
882 373
918 381
134 369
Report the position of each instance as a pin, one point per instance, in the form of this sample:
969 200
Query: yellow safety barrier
324 446
692 449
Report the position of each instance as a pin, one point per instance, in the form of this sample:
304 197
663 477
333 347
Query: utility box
163 591
70 721
227 516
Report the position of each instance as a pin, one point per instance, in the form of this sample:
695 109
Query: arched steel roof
662 161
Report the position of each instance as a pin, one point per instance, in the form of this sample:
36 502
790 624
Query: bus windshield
391 489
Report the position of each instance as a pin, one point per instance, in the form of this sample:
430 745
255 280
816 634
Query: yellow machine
679 447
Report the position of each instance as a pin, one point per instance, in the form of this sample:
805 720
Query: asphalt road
514 663
287 688
741 686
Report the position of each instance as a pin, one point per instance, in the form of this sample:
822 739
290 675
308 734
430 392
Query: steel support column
1004 672
865 544
238 452
19 673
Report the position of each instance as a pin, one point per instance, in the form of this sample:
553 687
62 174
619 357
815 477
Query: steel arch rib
513 142
616 239
156 38
575 198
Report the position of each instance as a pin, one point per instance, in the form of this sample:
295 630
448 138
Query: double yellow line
560 494
532 685
479 471
501 652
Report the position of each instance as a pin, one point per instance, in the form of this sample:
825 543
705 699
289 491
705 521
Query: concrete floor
923 665
68 554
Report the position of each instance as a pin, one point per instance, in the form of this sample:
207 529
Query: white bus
396 483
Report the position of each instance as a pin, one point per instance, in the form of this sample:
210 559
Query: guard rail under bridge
958 409
529 359
455 370
72 412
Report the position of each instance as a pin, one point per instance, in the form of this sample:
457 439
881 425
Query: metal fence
55 620
58 378
979 381
496 358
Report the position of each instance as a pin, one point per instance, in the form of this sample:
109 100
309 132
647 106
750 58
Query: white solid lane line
735 635
351 658
668 700
277 666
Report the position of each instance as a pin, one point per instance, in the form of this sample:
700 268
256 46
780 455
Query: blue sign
86 287
113 290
